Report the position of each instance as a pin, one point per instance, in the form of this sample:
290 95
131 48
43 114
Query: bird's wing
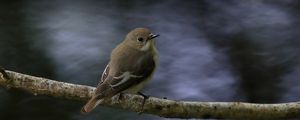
104 74
124 79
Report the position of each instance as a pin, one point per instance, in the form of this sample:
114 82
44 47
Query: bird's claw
144 100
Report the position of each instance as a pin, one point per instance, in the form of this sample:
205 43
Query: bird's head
140 38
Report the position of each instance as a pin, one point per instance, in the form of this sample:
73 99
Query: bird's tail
90 105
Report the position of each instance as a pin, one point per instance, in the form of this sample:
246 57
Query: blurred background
210 50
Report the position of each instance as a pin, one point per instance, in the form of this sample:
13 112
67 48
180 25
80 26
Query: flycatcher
131 65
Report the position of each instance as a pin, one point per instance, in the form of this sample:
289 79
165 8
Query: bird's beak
152 36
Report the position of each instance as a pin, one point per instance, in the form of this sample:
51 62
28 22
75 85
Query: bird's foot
144 100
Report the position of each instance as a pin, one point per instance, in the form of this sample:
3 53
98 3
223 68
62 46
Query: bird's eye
140 39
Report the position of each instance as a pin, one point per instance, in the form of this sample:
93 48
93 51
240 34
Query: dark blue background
210 50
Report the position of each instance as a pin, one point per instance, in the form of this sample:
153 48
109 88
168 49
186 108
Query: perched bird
132 64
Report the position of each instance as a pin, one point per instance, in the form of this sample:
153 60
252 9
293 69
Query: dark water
209 50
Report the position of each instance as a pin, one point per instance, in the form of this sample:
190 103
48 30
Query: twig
4 74
156 106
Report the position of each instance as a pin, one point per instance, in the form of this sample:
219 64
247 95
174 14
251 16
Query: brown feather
89 106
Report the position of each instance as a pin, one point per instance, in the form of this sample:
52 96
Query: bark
156 106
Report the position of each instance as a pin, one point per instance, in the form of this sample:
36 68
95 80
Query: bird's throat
148 46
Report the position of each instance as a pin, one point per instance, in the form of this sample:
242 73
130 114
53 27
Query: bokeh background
210 50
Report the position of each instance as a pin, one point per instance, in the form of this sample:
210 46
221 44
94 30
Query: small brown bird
132 64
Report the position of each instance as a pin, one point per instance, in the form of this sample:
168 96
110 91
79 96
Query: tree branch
155 106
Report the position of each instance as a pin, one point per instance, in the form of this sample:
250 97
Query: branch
156 106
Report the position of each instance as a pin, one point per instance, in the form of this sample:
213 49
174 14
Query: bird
132 64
